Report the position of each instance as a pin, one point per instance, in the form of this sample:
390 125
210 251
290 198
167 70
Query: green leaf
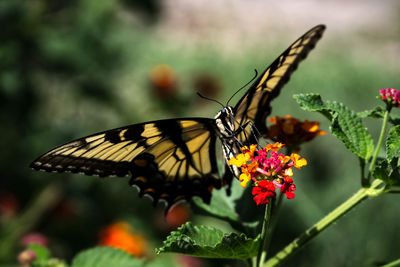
393 143
312 102
209 242
388 171
53 262
43 257
105 257
346 124
42 253
352 131
376 113
223 207
395 120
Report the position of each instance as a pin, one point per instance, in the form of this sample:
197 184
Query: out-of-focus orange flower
163 81
120 235
293 132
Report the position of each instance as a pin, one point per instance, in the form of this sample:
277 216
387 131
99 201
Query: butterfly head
225 121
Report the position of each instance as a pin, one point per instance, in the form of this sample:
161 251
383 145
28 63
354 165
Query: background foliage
71 68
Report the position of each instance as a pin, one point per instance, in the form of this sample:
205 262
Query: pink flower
390 96
35 238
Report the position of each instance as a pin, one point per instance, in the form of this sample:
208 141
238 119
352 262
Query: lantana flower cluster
267 170
390 96
292 131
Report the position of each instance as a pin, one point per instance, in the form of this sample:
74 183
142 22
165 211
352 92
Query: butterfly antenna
210 99
255 75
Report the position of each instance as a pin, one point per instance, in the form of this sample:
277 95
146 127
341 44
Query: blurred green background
72 68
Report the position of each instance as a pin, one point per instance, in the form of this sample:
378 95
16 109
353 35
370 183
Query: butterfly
175 159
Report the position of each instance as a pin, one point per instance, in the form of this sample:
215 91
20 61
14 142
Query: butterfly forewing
168 159
254 106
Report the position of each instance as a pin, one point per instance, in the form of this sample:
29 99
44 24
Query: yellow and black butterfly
175 159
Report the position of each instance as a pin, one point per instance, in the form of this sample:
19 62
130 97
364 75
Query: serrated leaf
209 242
377 112
105 257
393 143
388 171
345 124
357 138
312 102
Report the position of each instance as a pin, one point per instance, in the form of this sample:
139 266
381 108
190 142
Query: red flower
263 191
286 185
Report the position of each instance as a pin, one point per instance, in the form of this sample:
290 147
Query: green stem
380 141
364 179
271 228
317 228
392 264
264 231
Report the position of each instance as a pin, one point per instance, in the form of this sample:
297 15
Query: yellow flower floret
274 147
244 178
240 160
298 163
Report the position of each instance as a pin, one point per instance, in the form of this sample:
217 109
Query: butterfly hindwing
168 159
254 106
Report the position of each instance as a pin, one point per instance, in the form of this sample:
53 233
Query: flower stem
380 141
317 228
271 228
364 179
264 232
